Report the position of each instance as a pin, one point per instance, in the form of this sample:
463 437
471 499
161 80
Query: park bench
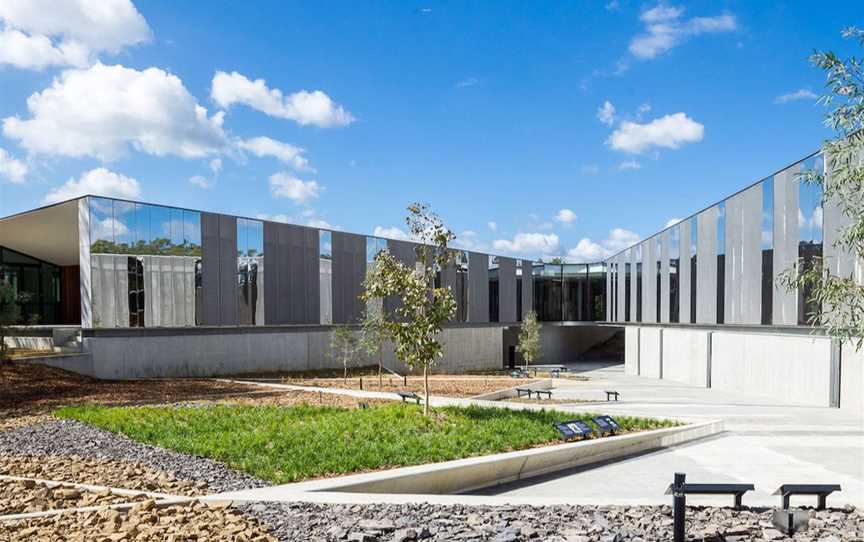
406 395
545 392
820 490
555 373
523 391
573 429
736 490
605 424
610 394
519 373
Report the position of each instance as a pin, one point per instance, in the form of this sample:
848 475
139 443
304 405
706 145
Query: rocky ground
25 496
404 523
144 522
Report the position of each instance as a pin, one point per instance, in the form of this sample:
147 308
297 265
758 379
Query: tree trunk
380 366
426 389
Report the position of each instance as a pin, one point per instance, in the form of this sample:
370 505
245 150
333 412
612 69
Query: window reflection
659 296
674 279
638 249
721 261
493 289
250 267
767 251
460 289
325 271
809 236
694 242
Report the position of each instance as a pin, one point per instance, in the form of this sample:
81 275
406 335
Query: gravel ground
19 497
403 523
66 438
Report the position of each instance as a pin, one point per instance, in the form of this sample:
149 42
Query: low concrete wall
208 352
631 351
650 355
793 369
852 380
685 356
465 475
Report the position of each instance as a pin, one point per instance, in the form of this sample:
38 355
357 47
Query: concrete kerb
464 475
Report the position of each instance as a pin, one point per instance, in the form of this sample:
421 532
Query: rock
376 525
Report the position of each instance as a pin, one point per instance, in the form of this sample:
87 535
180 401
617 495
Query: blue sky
536 129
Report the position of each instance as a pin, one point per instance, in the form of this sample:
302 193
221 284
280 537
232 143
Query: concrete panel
621 278
631 350
84 262
785 303
664 276
634 290
684 272
685 356
706 267
527 287
507 290
650 352
743 271
852 380
792 369
478 287
649 280
228 271
349 271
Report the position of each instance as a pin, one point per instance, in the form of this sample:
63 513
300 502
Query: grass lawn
290 444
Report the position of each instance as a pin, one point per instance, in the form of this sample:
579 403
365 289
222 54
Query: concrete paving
764 444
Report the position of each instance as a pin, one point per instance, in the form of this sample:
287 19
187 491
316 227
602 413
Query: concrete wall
650 354
790 368
204 352
685 356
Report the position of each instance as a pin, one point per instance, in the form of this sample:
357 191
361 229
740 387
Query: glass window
374 245
493 289
461 287
674 275
627 279
638 249
809 236
101 226
721 261
767 250
192 233
160 230
548 295
597 290
250 262
325 269
657 298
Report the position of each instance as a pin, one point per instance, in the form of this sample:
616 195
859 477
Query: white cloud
284 152
800 94
303 107
629 165
565 216
590 169
492 225
669 131
320 223
606 113
100 182
36 34
468 82
613 6
644 108
665 29
11 168
391 233
587 250
103 110
199 181
275 218
672 222
284 185
216 165
528 243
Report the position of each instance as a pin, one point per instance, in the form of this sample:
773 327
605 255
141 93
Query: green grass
289 444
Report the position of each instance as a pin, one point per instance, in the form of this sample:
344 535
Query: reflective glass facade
37 281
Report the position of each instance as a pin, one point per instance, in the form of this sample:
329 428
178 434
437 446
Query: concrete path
764 444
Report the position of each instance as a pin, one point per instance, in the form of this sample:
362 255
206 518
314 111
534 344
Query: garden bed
284 445
439 385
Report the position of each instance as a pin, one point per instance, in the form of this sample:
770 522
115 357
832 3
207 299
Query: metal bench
555 373
519 373
406 395
523 391
573 429
610 394
545 392
679 490
736 490
820 490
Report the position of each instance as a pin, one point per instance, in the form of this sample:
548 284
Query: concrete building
165 291
701 303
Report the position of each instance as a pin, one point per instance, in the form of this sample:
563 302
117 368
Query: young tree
839 299
10 314
529 338
420 317
343 347
375 334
